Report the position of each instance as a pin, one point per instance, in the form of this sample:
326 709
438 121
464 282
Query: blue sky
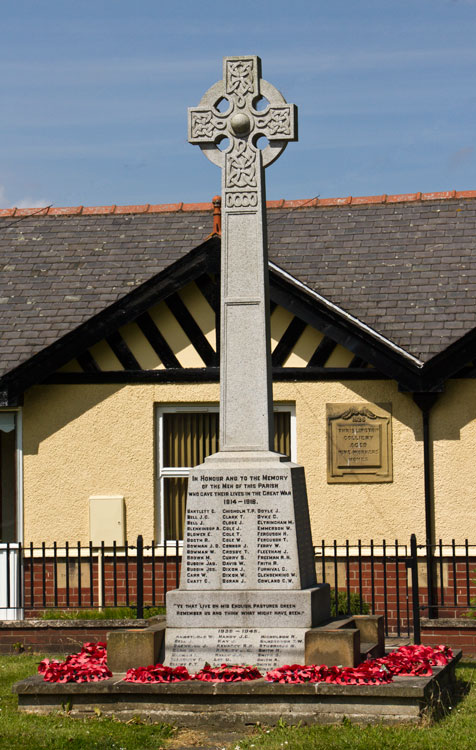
94 96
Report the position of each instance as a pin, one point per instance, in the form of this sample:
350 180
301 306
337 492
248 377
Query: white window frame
164 472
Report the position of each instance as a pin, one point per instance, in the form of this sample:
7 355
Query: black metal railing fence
399 581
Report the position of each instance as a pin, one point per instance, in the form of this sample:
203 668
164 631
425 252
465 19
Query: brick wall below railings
457 633
385 584
56 584
57 636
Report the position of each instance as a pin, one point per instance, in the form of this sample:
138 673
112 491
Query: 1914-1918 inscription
359 443
240 531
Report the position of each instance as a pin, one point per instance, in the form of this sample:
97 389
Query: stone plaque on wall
359 443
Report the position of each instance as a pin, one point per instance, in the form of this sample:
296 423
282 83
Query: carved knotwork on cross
243 124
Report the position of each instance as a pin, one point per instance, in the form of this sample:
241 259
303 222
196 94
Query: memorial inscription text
264 648
240 528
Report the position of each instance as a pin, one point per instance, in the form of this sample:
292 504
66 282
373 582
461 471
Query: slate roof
403 265
407 270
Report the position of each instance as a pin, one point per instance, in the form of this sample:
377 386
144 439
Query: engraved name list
241 526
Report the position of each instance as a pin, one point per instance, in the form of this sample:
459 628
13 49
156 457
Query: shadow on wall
454 409
404 409
48 409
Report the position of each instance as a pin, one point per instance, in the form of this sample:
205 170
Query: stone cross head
242 124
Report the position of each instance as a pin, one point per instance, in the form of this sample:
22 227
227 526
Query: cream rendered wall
359 511
453 429
82 440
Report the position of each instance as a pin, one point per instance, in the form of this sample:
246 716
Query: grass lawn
455 731
59 731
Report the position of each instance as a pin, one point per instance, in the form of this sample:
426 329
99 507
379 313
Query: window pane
189 437
175 497
282 432
8 488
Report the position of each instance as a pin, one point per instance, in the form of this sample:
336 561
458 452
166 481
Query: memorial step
369 651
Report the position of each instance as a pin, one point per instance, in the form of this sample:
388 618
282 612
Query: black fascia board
209 375
450 362
362 344
203 258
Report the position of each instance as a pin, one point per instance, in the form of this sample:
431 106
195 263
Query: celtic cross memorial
248 592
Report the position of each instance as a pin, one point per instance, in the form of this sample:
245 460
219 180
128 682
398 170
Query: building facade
110 351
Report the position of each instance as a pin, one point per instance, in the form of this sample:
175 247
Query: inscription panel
234 609
263 648
359 443
240 530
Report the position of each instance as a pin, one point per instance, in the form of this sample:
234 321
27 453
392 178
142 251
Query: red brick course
299 203
57 637
457 633
41 593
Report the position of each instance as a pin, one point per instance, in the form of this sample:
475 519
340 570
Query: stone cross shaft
246 406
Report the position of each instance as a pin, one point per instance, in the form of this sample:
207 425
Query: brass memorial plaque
359 443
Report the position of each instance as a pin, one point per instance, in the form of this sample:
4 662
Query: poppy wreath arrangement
224 673
89 665
406 660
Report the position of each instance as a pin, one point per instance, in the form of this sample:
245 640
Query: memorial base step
346 641
369 651
241 704
235 608
343 642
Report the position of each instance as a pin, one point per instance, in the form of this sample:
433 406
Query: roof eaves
148 208
34 369
344 314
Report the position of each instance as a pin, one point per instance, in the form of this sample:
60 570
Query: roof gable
179 333
401 267
57 272
407 270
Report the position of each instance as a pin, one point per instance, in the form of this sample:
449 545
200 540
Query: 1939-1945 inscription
263 648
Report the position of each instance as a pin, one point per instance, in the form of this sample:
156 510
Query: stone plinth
134 648
248 590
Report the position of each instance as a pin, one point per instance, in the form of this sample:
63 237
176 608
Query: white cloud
31 203
5 201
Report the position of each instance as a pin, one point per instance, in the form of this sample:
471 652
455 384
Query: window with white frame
186 435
